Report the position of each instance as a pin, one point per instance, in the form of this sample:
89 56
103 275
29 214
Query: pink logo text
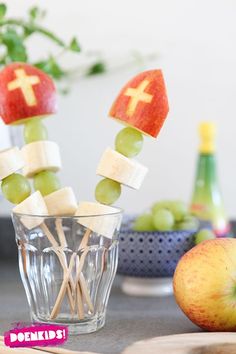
38 335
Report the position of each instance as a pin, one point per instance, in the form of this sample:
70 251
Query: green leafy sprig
15 32
14 46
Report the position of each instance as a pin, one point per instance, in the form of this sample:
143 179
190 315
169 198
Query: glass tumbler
67 268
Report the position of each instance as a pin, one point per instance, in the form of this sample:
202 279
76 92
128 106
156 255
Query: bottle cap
207 132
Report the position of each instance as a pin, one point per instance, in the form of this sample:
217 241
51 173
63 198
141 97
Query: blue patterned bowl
151 254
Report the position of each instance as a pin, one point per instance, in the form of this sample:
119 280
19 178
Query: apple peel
205 284
25 92
142 103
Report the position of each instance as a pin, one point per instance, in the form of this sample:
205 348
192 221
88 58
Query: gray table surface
129 319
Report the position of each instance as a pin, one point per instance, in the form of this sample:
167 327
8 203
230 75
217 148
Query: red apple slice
142 103
25 92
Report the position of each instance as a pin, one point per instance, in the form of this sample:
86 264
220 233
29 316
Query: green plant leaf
16 50
97 68
51 67
3 10
13 36
28 30
74 45
34 12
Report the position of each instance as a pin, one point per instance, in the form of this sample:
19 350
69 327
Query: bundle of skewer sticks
36 350
75 289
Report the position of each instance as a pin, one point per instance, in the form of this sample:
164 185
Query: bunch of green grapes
166 216
171 216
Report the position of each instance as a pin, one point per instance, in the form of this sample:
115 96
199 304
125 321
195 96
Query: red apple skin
13 107
205 284
147 117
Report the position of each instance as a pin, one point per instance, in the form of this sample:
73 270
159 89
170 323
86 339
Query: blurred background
192 41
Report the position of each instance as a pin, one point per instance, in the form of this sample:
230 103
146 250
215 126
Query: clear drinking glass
67 269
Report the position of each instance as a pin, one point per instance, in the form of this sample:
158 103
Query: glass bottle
207 203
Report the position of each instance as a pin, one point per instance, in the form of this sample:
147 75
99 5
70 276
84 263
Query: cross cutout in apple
136 95
25 83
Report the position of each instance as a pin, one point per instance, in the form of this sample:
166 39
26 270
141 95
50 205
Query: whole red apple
205 284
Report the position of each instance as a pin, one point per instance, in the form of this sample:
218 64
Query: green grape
46 182
188 223
144 222
204 234
129 142
178 209
34 131
163 220
107 191
165 204
15 188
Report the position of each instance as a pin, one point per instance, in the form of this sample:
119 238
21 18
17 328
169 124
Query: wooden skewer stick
80 304
23 255
71 300
49 235
79 298
62 260
62 291
70 285
81 264
61 233
63 244
80 281
82 286
80 277
85 239
80 267
85 292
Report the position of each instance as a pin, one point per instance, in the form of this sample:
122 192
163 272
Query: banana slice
102 219
116 166
40 156
11 161
33 206
61 202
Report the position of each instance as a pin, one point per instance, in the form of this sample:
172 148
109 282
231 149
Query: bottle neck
207 165
207 132
207 147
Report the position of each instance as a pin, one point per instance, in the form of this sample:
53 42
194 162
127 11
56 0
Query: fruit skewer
46 163
42 161
142 105
27 92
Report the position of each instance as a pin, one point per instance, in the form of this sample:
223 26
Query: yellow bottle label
207 132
